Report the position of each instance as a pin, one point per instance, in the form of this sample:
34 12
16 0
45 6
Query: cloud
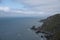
34 8
27 12
39 2
41 5
35 3
6 9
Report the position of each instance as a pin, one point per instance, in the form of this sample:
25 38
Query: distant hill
52 24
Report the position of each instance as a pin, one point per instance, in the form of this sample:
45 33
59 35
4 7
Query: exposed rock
33 28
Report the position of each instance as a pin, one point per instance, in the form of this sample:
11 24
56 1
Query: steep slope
52 24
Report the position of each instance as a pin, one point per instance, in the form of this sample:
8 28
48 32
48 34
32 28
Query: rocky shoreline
50 27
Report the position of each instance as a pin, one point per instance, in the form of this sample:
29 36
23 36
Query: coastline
50 27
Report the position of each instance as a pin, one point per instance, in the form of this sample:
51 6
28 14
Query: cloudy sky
28 8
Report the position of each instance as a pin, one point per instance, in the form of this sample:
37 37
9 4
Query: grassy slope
52 24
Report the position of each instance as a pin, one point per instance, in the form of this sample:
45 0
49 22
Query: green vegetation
52 24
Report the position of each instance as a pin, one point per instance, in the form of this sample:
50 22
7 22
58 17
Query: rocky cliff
52 24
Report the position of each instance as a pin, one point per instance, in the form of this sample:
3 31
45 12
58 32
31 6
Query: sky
28 8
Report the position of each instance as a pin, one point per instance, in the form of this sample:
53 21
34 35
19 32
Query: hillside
52 24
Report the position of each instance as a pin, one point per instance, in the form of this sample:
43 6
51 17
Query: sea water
18 28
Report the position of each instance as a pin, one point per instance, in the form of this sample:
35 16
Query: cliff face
52 24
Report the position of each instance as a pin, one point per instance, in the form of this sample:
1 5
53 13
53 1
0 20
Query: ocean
19 28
